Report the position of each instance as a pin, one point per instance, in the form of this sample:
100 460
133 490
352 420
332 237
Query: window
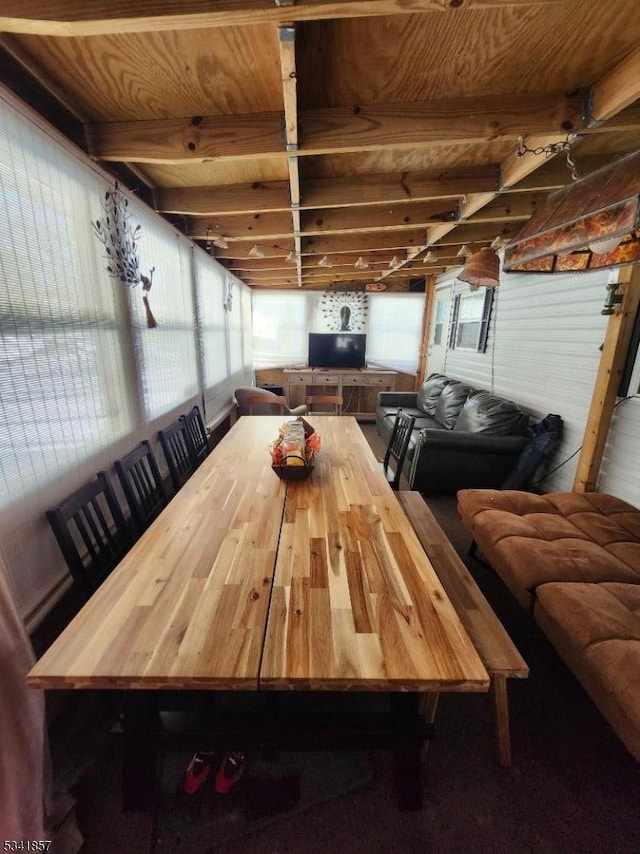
63 388
441 312
280 335
470 318
395 330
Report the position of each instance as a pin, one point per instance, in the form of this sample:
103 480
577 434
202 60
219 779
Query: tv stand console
341 381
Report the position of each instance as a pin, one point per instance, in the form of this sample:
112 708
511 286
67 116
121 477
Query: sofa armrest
397 398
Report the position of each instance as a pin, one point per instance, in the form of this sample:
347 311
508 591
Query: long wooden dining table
249 583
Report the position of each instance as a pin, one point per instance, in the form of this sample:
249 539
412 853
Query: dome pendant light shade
482 269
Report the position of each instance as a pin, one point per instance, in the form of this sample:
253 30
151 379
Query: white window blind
212 327
395 331
166 354
280 335
236 347
63 393
247 332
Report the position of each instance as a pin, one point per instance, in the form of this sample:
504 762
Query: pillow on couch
450 403
484 412
429 393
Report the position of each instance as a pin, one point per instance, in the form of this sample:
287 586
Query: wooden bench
496 649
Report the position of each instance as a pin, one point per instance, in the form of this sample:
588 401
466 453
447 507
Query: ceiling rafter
288 73
94 17
334 130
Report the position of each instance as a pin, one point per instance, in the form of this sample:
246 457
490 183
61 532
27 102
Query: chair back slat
176 450
91 531
266 404
397 448
142 485
196 435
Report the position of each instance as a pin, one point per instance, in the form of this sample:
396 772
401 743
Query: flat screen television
337 349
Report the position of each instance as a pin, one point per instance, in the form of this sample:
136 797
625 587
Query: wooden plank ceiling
378 137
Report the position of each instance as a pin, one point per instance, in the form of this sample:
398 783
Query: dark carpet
572 787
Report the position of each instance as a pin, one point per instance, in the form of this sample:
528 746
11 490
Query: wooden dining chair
92 532
260 405
142 485
196 435
332 400
176 451
397 448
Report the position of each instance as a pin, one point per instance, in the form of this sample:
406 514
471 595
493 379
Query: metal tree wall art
344 311
116 231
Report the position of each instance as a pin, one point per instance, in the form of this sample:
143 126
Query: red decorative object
563 235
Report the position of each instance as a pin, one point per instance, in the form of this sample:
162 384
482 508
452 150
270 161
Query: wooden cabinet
358 387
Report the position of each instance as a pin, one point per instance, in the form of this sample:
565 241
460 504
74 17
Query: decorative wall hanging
116 231
344 311
227 302
592 224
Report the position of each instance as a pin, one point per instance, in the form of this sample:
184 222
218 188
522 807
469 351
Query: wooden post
426 327
614 352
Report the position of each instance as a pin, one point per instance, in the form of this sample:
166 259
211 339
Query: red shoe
229 772
197 772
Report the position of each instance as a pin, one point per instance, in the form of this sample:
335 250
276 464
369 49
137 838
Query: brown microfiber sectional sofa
573 559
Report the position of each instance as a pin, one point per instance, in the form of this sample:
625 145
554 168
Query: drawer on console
353 379
300 378
379 379
325 379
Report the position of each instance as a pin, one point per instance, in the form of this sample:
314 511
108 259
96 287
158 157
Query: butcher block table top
246 581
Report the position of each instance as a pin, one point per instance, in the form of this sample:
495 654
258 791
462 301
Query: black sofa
462 438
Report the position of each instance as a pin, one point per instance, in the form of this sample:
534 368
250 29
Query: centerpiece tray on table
293 452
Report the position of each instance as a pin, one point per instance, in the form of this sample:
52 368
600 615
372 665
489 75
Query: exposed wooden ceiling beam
95 17
288 74
260 196
337 129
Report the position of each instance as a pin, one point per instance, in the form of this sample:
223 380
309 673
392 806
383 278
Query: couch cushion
535 539
450 402
430 391
484 412
596 628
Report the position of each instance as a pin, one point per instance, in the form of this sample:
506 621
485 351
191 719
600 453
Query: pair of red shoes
229 771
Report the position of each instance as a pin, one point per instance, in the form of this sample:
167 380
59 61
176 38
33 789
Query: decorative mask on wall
344 311
119 236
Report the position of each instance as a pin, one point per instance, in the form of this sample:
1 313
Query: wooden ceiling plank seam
77 18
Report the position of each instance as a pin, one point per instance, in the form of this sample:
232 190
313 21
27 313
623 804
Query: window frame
483 321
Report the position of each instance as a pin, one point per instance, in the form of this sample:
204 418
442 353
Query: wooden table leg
501 710
428 708
408 742
140 765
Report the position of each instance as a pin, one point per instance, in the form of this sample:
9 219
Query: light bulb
256 252
394 263
604 246
361 264
430 256
463 251
220 241
325 261
291 258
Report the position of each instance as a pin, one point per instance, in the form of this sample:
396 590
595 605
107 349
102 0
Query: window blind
395 330
166 354
64 392
212 331
280 335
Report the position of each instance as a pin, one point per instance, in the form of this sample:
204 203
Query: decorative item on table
292 453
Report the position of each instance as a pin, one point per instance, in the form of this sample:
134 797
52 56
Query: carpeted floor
572 786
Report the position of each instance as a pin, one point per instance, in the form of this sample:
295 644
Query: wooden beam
378 218
334 130
244 227
504 208
614 351
616 90
426 326
400 240
95 17
289 76
398 187
259 197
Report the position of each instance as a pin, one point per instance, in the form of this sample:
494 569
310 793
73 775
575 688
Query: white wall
543 353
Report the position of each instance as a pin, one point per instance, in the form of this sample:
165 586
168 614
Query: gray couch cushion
430 391
484 412
450 403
